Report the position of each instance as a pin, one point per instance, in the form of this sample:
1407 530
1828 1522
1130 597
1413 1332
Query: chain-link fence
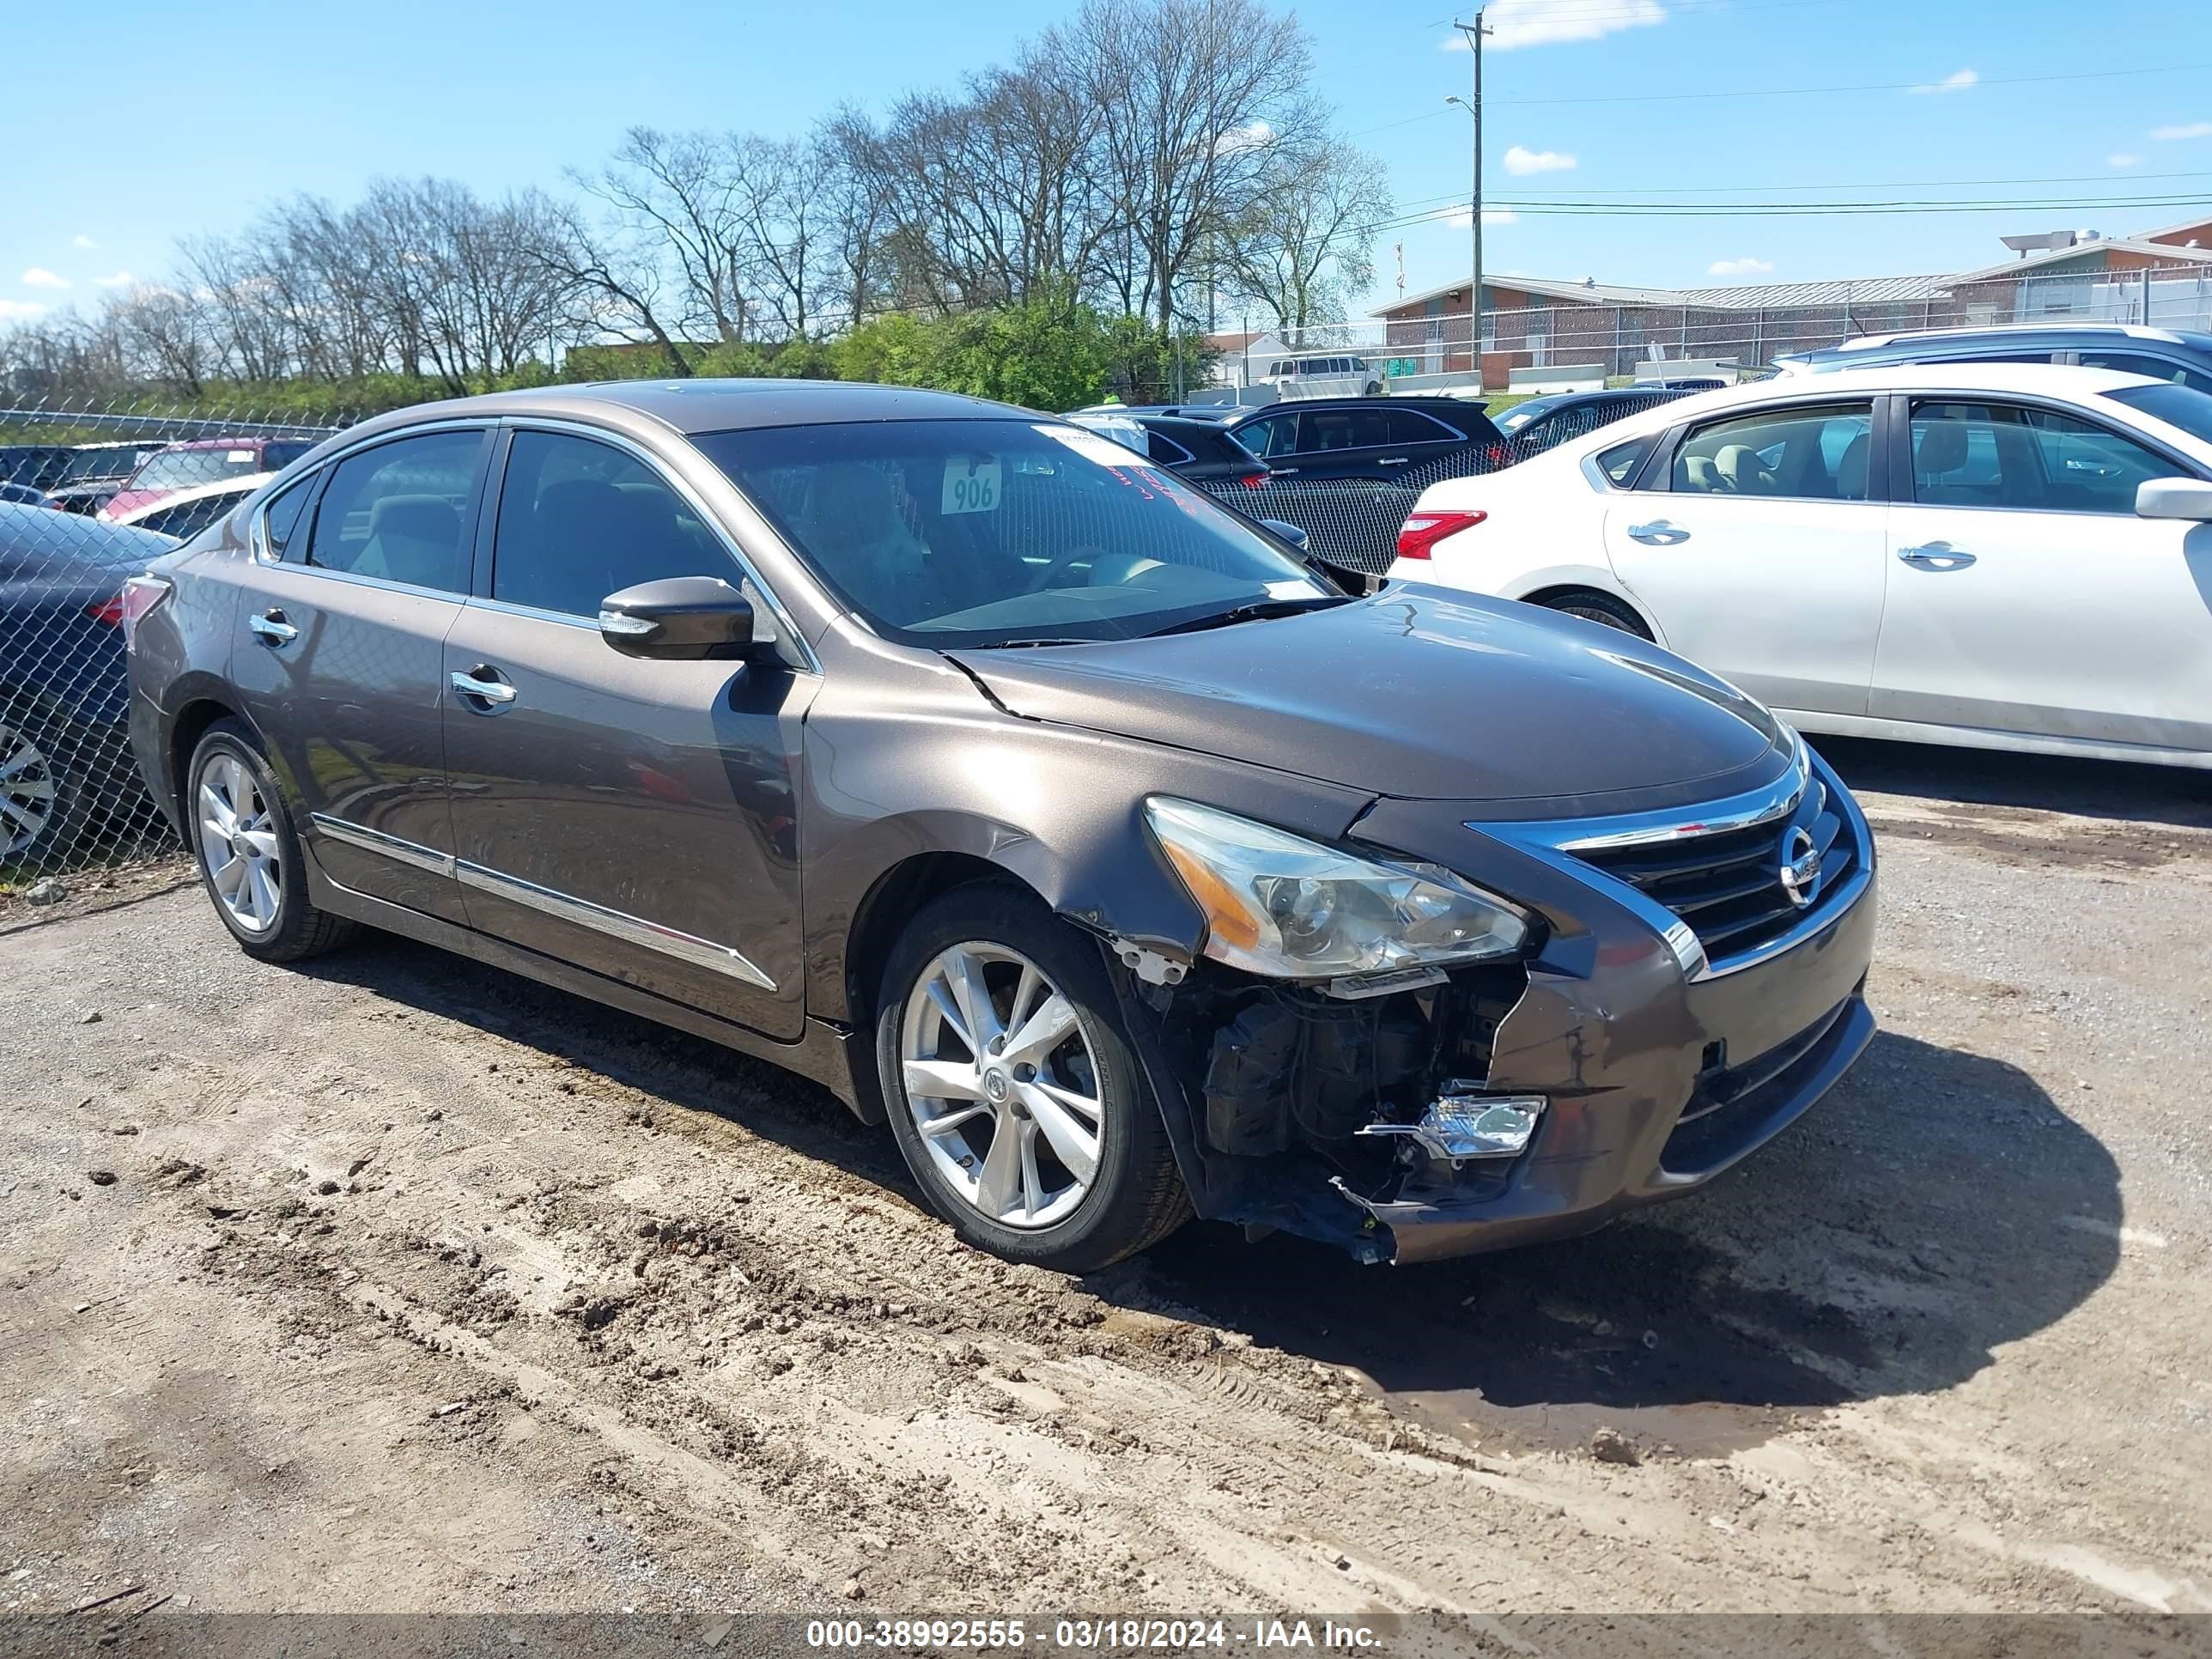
1566 333
88 497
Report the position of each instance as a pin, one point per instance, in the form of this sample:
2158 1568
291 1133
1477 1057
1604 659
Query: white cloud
1520 161
120 279
2124 159
1461 219
2192 130
20 311
1516 23
1743 267
1958 82
40 276
82 241
1252 134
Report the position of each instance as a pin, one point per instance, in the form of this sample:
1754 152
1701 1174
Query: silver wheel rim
238 846
28 791
1003 1086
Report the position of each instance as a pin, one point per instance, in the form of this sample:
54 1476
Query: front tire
248 852
44 810
1012 1091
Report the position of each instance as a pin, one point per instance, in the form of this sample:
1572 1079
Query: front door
1761 554
338 654
2027 596
637 819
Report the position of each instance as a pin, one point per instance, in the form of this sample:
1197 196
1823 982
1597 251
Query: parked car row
115 481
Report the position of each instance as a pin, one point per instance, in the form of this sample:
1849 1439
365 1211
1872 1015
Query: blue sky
150 128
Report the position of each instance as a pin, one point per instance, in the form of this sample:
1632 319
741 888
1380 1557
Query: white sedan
2001 555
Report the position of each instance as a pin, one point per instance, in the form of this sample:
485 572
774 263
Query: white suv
1322 377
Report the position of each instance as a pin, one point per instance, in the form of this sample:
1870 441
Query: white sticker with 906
971 484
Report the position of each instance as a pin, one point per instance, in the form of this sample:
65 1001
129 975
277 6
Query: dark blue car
66 764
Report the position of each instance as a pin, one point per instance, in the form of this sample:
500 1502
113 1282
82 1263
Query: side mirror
1289 532
2174 498
680 618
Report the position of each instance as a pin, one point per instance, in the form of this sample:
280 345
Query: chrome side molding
566 906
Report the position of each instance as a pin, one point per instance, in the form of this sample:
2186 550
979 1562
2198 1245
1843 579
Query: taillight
130 607
1419 535
1252 480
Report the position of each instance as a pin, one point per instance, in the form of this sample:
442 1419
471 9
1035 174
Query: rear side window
1326 430
1621 462
1158 446
280 517
1802 453
1406 426
400 512
580 520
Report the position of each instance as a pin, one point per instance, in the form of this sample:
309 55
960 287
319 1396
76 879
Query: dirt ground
404 1285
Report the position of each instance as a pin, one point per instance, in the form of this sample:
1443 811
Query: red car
202 461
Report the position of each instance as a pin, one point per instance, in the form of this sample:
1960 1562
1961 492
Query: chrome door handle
484 684
1935 556
271 628
1392 460
1657 533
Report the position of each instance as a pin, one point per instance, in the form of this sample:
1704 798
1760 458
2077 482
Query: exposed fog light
1458 1126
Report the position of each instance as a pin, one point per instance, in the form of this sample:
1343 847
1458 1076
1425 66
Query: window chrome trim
616 923
566 906
661 469
410 853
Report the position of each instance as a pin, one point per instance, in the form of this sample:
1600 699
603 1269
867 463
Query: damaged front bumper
1514 1102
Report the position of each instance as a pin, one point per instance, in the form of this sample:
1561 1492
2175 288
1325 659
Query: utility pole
1474 32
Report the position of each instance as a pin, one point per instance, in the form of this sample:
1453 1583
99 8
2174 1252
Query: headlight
1292 909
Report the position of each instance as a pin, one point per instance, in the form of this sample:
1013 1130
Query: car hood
1420 693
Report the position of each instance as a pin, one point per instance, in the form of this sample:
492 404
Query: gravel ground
398 1284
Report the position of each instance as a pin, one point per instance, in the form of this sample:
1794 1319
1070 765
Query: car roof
2050 334
704 405
2020 379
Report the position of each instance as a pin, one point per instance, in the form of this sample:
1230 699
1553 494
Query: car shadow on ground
1954 778
1935 1205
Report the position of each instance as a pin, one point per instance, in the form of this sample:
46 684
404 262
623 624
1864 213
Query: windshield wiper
1253 612
1018 645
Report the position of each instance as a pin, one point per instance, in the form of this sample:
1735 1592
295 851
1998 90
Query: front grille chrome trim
1561 843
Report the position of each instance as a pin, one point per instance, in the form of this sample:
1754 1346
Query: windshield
180 469
1521 414
976 534
2177 405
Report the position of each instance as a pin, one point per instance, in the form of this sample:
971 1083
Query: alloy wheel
239 847
28 790
1003 1086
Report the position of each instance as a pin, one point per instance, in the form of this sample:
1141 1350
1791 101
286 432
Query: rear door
364 565
2025 596
1760 551
637 819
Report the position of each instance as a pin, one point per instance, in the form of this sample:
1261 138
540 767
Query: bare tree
1305 241
1192 97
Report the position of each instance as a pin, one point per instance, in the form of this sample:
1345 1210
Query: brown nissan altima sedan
956 757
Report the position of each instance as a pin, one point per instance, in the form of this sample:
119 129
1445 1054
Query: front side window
2159 369
580 520
1806 454
2001 455
2177 405
400 512
977 533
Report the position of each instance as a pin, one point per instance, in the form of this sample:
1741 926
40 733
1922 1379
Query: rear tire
989 1164
1600 608
44 807
248 852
